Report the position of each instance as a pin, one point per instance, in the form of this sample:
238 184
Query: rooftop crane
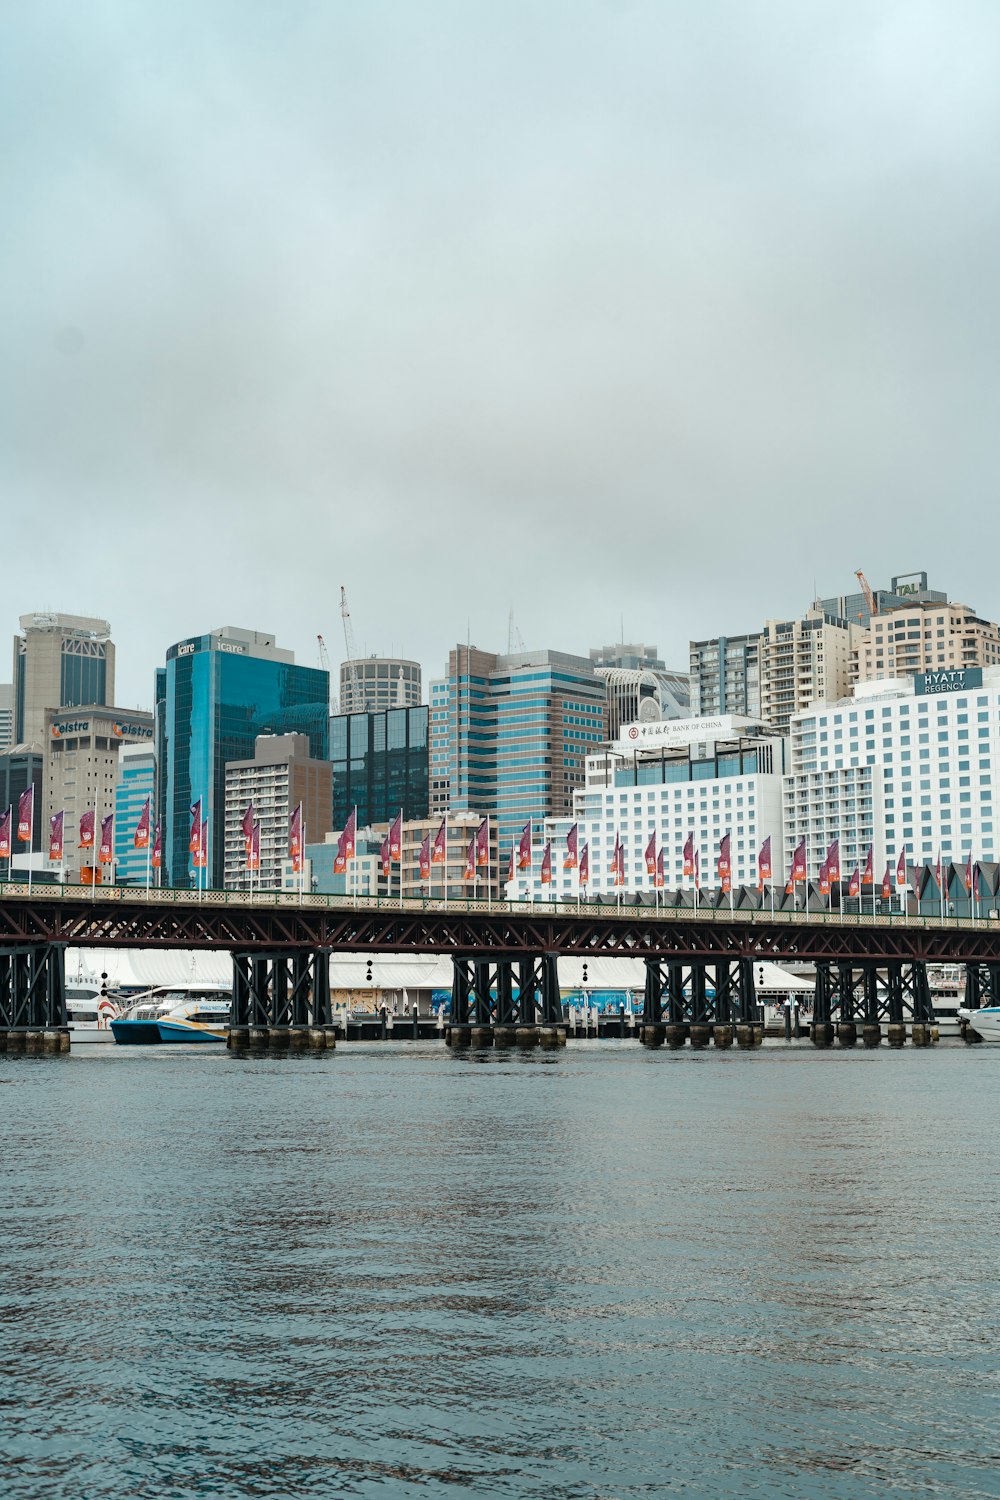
324 662
355 705
870 599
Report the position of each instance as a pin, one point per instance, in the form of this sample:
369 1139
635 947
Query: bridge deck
129 916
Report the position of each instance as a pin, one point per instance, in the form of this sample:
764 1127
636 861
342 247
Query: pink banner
157 857
439 849
87 830
584 876
547 863
26 815
141 836
248 822
56 836
524 848
651 855
106 853
396 838
6 822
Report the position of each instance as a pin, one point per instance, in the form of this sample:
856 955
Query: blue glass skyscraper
215 695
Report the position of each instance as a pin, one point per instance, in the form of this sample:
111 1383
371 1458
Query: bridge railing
167 895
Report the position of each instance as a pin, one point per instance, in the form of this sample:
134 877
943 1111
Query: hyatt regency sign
958 681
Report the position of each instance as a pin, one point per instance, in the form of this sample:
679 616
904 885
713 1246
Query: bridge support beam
281 1001
485 1011
33 998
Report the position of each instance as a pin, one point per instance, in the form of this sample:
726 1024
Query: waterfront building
81 763
280 774
215 695
907 765
446 880
700 777
60 661
725 676
6 716
803 662
135 781
373 684
517 730
380 765
929 635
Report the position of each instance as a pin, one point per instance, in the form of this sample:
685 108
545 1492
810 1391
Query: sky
641 318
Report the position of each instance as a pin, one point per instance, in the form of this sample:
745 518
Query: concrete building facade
725 676
60 661
81 758
280 775
803 662
927 636
135 781
373 684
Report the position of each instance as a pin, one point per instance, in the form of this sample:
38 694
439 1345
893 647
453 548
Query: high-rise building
215 695
372 684
803 662
517 730
639 685
927 636
439 741
82 765
280 775
6 716
380 765
908 766
60 661
135 782
725 676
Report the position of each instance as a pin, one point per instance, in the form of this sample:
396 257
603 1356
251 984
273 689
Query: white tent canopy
142 968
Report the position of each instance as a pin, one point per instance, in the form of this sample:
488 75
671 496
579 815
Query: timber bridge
870 970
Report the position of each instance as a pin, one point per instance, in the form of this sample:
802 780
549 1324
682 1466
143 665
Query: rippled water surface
392 1271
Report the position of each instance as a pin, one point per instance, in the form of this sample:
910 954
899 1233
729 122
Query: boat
195 1013
89 1013
984 1024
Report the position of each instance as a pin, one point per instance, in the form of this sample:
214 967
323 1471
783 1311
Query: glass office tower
380 763
217 693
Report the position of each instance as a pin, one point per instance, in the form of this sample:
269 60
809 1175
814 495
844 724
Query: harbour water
393 1271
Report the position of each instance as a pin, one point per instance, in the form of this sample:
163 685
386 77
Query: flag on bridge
725 864
887 882
26 814
547 863
469 873
396 838
689 858
799 869
157 855
106 853
764 863
439 850
5 826
868 878
524 848
248 821
651 855
901 867
584 875
571 859
56 836
660 875
854 889
833 863
87 830
194 842
424 858
483 844
385 856
140 838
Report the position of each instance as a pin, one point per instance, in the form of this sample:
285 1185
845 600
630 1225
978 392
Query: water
598 1273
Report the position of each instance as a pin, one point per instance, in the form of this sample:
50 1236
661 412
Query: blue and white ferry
194 1013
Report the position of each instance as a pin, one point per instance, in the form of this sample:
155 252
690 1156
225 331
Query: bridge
699 963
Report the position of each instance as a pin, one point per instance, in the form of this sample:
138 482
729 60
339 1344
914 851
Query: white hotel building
905 764
706 776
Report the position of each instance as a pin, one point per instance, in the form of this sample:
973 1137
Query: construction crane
324 663
355 704
514 639
870 599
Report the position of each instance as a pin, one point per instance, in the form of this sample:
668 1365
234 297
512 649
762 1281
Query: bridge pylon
679 1008
893 994
281 1001
33 998
487 1010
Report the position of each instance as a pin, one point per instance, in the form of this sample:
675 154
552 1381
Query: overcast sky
668 312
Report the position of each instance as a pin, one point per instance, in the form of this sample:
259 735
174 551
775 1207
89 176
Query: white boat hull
985 1023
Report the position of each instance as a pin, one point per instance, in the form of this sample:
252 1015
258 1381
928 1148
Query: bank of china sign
675 732
958 681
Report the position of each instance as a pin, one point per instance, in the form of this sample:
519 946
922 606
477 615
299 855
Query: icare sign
960 680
